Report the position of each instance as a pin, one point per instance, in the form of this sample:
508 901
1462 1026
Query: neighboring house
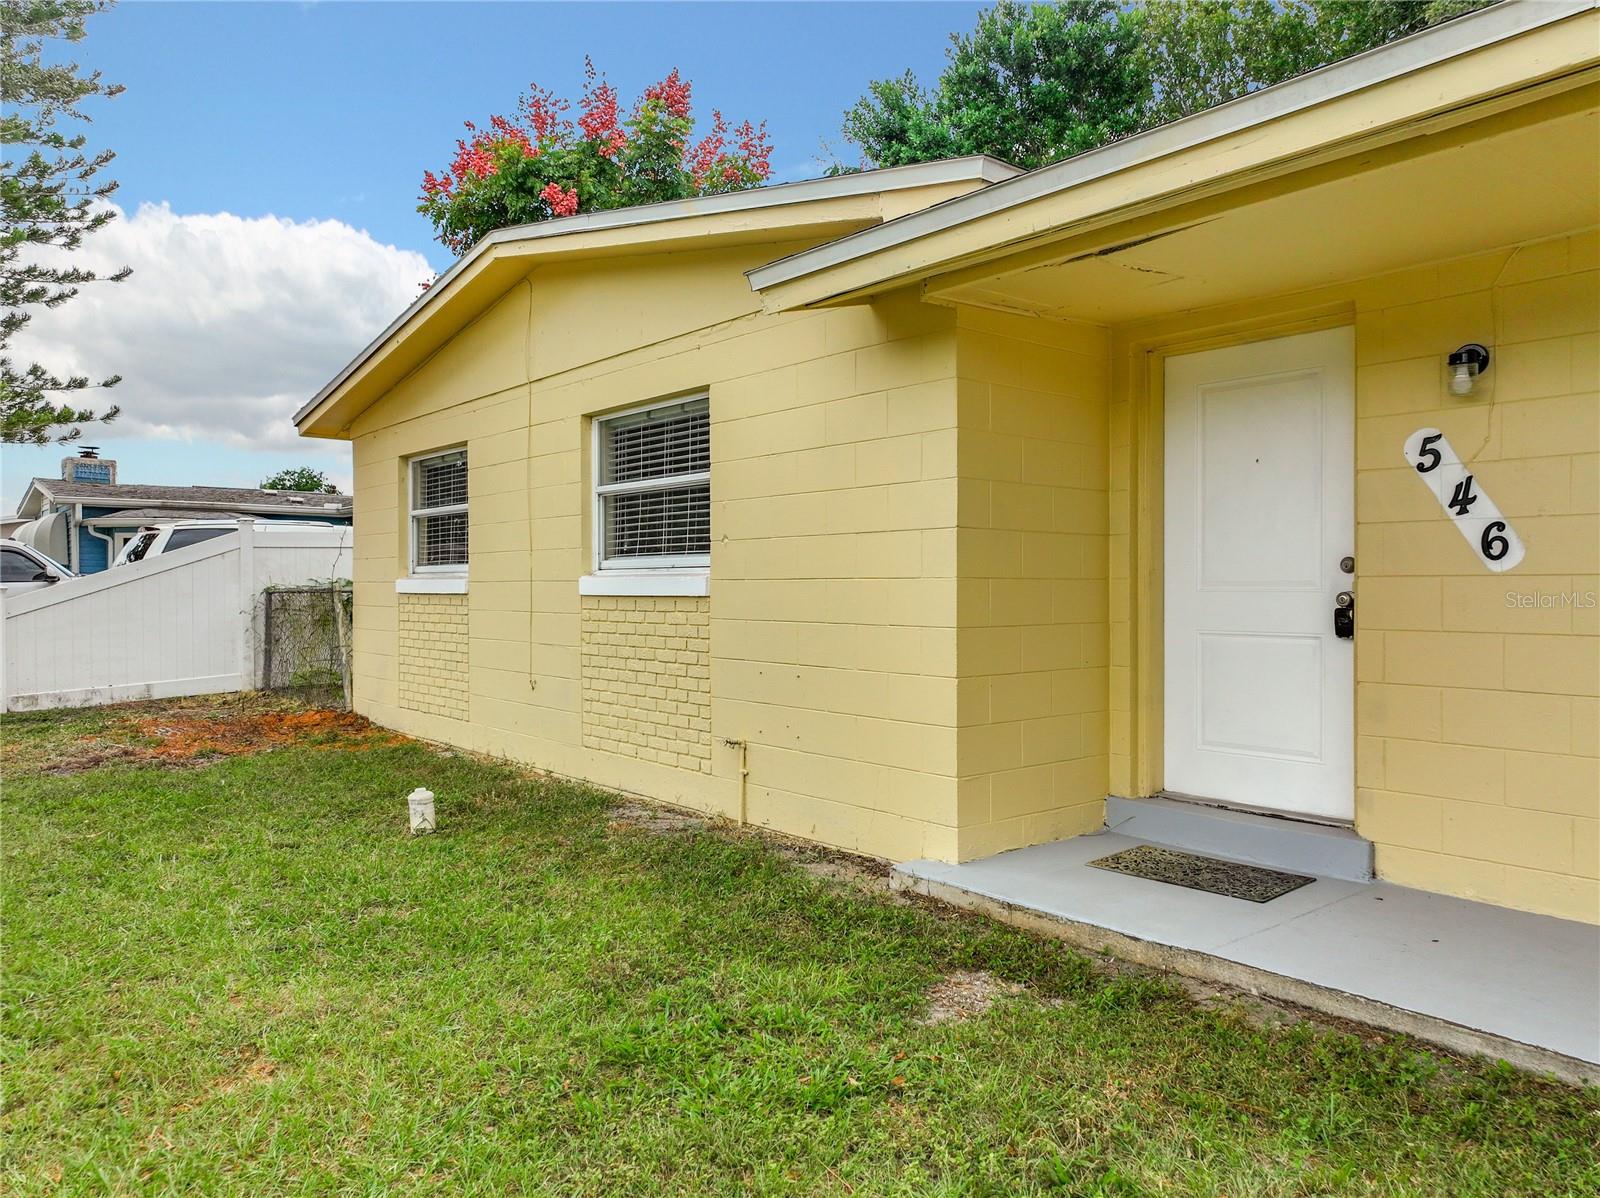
83 518
918 511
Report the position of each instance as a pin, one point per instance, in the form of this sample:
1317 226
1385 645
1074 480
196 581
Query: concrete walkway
1473 977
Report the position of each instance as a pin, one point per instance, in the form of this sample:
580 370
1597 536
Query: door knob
1344 615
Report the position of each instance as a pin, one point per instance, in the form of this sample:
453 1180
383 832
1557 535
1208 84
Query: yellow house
1254 460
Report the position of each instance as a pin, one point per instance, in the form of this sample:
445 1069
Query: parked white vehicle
23 568
153 540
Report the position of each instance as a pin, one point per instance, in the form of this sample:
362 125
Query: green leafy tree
1031 84
1200 53
300 478
1034 84
51 200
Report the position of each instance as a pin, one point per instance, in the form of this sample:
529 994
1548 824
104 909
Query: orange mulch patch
182 738
177 733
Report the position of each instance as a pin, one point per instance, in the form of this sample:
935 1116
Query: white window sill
646 582
438 584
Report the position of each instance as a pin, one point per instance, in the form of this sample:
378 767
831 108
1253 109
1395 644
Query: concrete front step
1321 850
1470 977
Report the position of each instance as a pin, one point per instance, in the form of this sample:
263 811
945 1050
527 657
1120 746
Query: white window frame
684 573
416 570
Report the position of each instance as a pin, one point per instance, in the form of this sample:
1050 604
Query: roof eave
32 501
275 509
841 270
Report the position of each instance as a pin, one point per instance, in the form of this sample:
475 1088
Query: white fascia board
1451 39
980 167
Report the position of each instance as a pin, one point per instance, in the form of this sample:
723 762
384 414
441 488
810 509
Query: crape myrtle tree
540 164
1036 83
51 199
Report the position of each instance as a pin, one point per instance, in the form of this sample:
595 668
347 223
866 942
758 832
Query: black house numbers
1470 509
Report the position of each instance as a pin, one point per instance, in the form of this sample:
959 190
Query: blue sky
330 113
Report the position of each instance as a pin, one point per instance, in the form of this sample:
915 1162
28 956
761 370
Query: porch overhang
1420 151
1433 198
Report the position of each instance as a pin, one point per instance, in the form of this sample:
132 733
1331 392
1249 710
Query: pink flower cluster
673 92
545 114
708 151
561 201
755 146
715 157
599 120
475 158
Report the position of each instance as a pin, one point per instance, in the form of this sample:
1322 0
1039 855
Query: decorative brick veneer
433 654
647 679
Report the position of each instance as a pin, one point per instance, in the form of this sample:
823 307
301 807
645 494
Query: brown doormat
1227 878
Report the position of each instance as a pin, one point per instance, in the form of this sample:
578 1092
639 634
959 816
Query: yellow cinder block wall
830 637
1477 716
472 393
1032 640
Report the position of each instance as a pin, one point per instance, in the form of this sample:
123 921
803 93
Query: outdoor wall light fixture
1466 364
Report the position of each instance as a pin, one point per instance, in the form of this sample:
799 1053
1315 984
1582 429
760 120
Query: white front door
1260 510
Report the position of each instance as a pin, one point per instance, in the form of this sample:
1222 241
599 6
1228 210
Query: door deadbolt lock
1347 565
1344 615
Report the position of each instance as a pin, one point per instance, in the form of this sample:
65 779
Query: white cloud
227 325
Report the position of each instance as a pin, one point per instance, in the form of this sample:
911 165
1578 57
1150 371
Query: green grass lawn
243 977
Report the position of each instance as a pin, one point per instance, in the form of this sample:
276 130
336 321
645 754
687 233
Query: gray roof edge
1449 39
64 491
137 514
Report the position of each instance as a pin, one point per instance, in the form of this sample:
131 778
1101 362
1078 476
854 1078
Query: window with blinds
439 513
653 487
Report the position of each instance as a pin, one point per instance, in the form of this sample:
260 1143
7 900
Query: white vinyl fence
184 623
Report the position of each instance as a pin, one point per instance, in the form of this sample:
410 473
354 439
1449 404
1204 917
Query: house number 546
1470 509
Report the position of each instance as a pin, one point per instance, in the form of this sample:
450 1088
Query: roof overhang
181 508
1501 58
141 516
36 496
1524 175
819 208
32 501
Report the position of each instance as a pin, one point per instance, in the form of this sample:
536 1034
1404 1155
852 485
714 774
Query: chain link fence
306 642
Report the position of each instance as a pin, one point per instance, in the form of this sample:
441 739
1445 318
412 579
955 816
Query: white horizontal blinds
655 486
673 523
439 511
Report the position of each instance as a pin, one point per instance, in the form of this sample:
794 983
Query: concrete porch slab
1469 976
